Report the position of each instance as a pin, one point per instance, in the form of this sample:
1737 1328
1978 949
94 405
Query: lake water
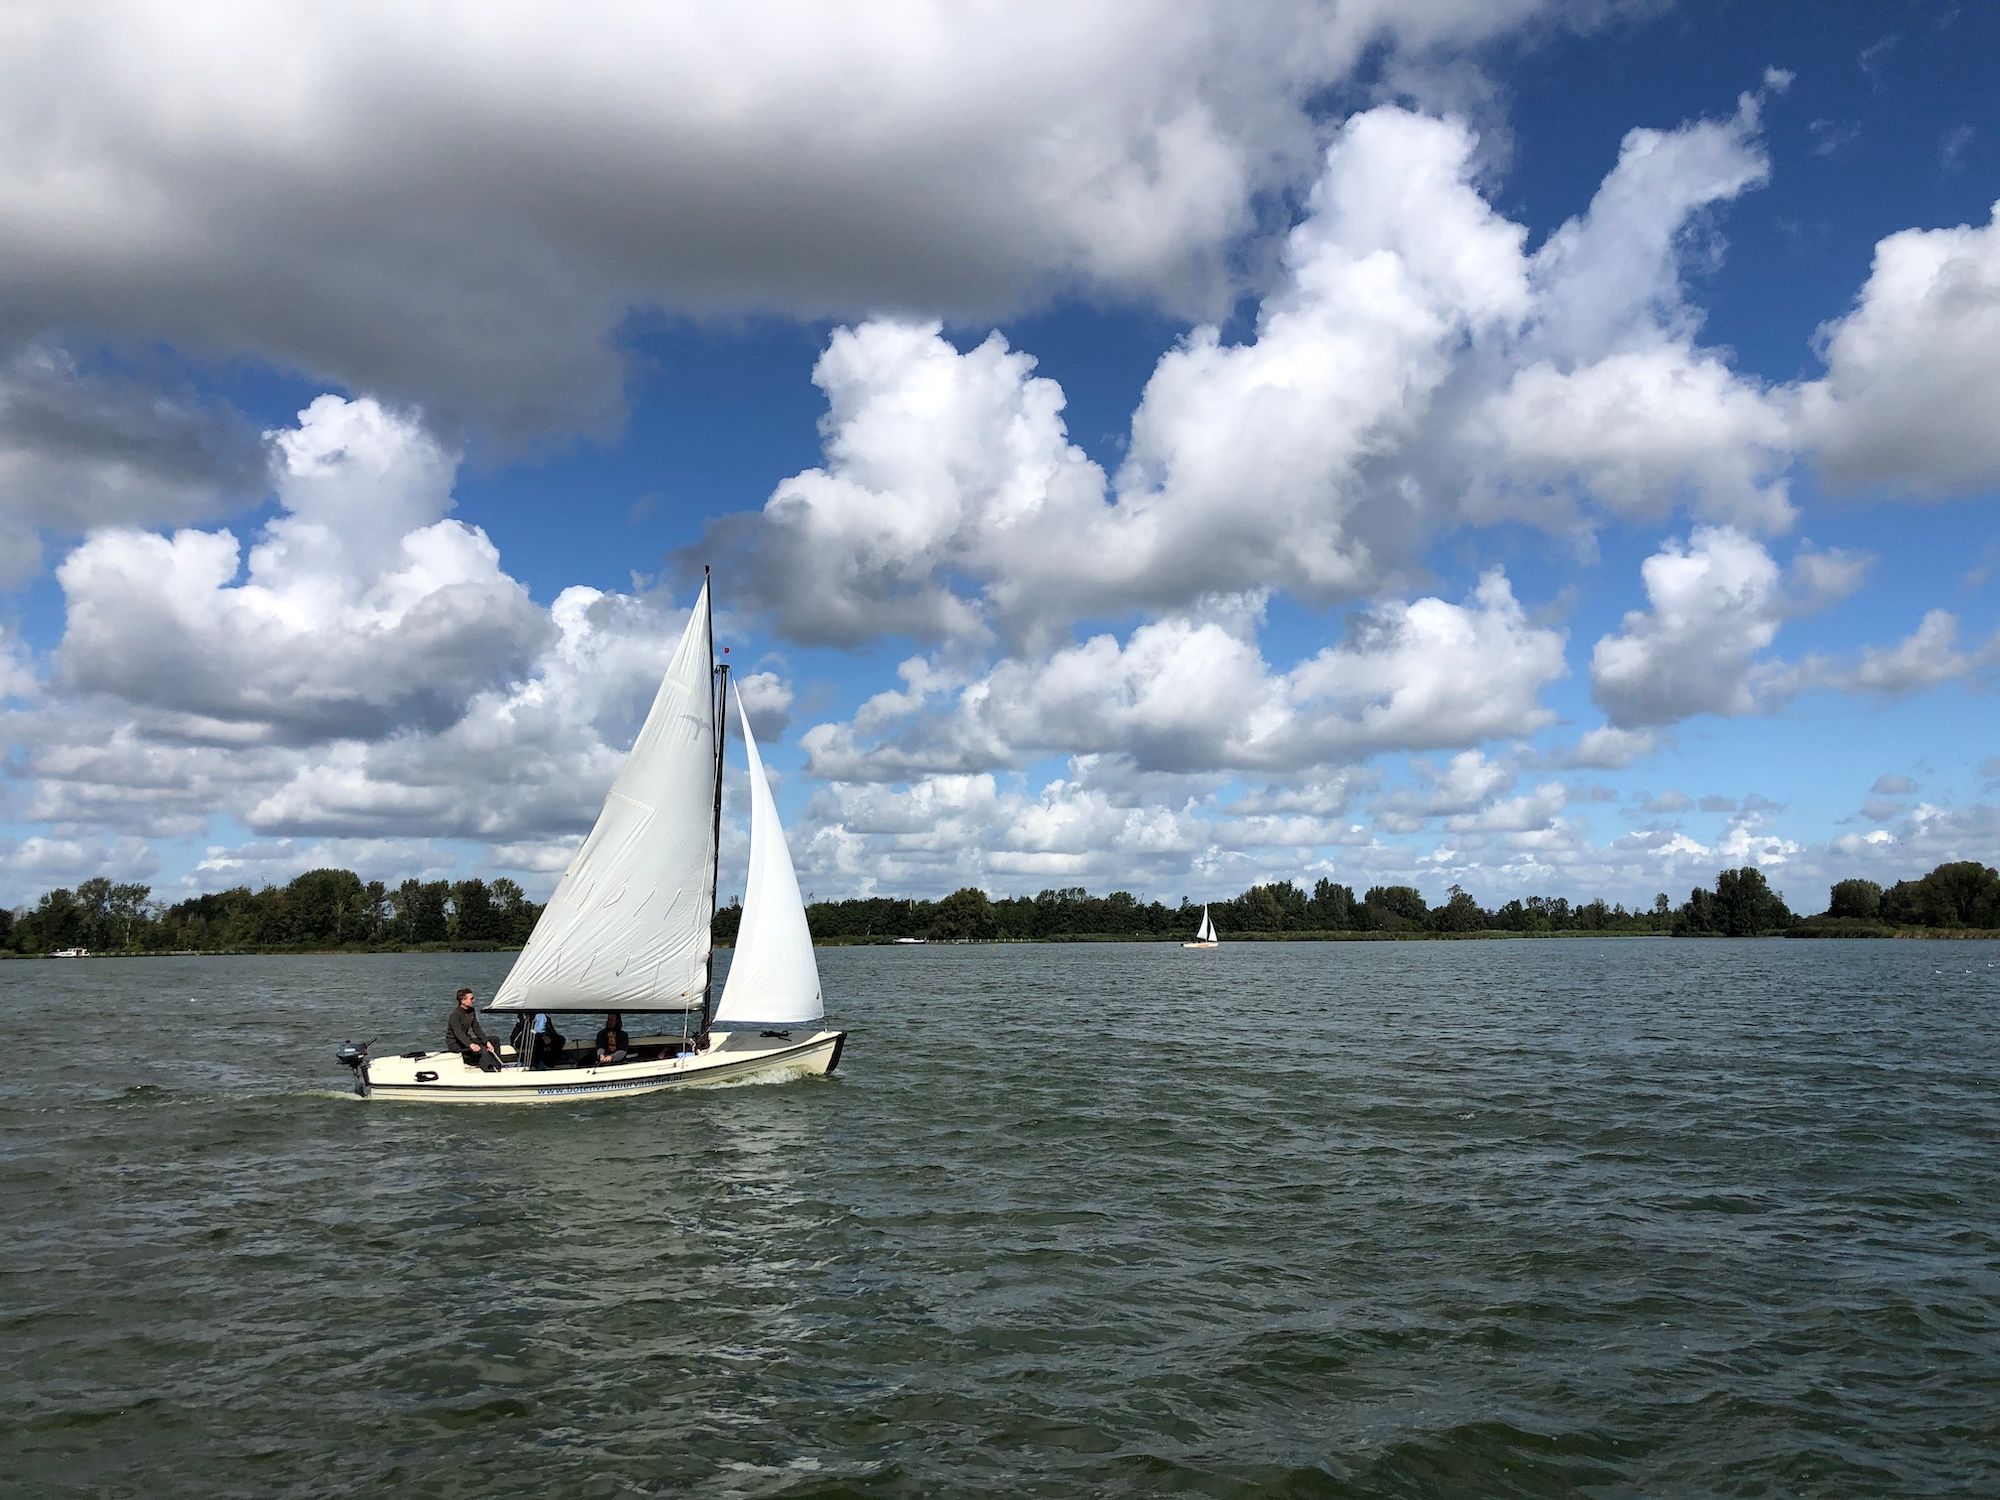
1576 1217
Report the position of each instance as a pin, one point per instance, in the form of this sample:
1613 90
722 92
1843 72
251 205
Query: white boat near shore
628 930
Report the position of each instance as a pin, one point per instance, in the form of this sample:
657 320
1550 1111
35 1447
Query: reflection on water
1529 1218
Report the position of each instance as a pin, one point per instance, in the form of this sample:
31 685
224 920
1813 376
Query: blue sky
1546 448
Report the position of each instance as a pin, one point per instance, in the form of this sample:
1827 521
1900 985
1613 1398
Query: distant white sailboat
1204 935
628 929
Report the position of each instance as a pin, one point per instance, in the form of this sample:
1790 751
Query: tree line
1740 904
319 910
336 909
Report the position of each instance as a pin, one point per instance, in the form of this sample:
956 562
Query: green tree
1332 907
326 908
1858 899
518 914
474 915
1962 894
58 921
965 913
1394 908
1745 904
421 911
1460 913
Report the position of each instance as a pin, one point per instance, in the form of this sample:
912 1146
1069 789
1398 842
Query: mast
719 680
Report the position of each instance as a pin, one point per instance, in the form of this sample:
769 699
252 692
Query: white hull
445 1078
1201 945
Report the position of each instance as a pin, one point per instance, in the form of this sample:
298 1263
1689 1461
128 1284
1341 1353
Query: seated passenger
613 1046
464 1035
548 1043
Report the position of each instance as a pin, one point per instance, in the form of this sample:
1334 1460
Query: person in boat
613 1045
464 1035
536 1039
548 1044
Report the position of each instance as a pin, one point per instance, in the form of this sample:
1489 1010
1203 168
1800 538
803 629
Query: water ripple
1608 1218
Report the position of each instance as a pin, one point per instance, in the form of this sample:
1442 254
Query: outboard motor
355 1055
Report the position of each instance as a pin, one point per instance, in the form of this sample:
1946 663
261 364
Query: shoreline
1921 934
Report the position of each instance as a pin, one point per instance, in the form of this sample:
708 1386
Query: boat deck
444 1077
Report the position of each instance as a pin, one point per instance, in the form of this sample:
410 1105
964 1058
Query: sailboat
1204 935
628 930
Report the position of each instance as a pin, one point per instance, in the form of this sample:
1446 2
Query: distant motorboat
70 953
1204 935
912 940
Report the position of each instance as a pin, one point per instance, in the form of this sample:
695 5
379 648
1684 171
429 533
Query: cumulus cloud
1538 809
360 611
39 863
1911 396
1608 749
1610 396
459 206
81 450
528 759
520 769
1467 781
17 672
1927 657
1410 367
1194 693
1644 431
1248 463
1715 604
955 829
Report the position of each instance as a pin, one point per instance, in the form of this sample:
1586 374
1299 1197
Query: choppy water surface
1612 1218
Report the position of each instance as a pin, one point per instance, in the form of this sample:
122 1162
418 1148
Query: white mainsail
773 978
628 925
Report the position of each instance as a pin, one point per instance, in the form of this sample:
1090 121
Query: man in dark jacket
464 1035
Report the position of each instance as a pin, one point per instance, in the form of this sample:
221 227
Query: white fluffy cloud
17 673
360 611
1928 656
1410 368
367 673
39 863
1911 396
79 451
1194 693
957 829
1715 605
1647 430
363 674
1610 396
1608 749
1247 465
458 205
526 760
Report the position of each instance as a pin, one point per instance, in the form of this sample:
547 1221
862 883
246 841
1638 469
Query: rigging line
719 679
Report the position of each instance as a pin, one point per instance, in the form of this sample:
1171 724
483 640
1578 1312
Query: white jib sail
773 978
628 925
